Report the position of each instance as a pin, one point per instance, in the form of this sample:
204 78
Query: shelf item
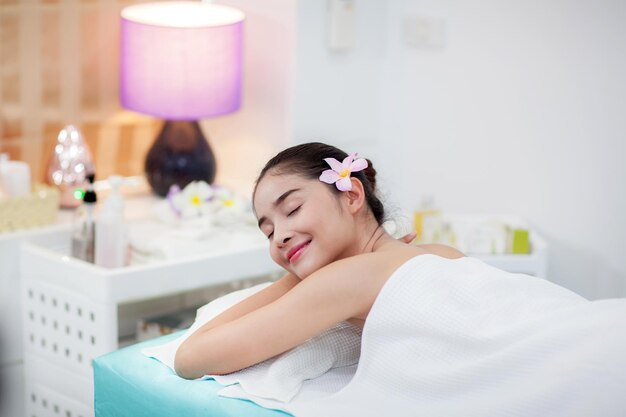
39 208
505 241
149 328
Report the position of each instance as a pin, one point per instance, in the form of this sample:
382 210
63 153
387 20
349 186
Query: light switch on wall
340 22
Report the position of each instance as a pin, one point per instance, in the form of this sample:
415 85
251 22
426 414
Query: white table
73 311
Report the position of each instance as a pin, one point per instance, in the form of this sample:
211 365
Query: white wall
337 99
523 110
520 112
245 140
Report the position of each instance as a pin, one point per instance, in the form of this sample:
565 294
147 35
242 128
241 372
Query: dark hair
307 160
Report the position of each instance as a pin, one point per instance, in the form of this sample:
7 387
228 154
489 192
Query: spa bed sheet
127 383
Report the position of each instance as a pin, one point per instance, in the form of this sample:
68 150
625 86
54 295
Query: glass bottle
83 227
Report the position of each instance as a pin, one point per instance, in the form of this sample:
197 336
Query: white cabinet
11 352
71 312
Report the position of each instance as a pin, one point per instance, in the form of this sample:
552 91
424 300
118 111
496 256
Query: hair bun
370 173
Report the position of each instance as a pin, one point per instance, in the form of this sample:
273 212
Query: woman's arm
255 301
337 292
267 295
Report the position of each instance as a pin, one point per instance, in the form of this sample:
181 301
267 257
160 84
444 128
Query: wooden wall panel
58 66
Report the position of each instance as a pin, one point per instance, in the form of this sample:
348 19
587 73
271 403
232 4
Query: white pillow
281 377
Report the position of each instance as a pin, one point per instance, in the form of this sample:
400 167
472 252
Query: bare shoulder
371 264
442 250
359 279
363 276
381 264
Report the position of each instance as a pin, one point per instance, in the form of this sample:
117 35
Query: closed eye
288 214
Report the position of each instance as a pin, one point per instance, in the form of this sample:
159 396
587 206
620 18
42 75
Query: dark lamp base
179 155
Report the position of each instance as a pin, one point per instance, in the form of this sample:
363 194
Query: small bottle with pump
111 232
83 232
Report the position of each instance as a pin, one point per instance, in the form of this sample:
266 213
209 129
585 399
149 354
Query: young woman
319 209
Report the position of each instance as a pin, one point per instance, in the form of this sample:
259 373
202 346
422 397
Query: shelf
121 285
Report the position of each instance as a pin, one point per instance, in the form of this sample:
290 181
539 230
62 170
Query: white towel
461 338
152 241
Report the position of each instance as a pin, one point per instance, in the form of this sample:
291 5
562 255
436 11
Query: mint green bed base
129 384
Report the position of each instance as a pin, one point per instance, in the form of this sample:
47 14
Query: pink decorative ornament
339 174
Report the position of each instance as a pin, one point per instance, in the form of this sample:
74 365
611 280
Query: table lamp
180 61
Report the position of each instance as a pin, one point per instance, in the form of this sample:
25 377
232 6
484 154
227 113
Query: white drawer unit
71 312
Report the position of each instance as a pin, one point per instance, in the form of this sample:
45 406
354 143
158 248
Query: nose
281 237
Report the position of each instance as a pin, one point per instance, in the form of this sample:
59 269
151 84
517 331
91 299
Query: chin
304 275
310 262
305 269
301 273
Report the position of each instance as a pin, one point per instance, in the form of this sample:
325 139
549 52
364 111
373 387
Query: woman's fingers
408 238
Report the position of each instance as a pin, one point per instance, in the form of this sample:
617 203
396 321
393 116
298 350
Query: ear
355 198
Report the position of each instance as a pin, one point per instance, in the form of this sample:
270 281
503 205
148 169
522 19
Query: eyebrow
278 202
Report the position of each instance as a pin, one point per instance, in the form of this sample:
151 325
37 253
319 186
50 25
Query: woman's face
304 222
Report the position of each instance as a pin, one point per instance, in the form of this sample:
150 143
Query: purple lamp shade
181 60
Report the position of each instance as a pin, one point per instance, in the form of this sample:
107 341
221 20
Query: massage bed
130 384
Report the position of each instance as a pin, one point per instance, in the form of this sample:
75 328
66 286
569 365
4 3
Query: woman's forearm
340 291
255 301
252 303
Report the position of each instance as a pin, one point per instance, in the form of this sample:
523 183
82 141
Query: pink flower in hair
339 174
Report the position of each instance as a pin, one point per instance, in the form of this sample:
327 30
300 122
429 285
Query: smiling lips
295 252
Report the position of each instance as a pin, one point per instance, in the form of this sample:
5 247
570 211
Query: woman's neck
374 237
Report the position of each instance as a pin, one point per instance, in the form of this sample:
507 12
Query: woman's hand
408 238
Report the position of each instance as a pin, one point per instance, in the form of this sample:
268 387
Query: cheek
333 228
275 255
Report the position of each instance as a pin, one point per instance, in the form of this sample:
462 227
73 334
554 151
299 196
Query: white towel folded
152 241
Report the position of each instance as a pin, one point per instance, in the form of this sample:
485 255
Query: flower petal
178 200
329 176
222 193
347 161
190 190
344 184
204 190
358 165
174 189
334 164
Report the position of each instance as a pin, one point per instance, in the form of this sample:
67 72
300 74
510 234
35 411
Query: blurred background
489 107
